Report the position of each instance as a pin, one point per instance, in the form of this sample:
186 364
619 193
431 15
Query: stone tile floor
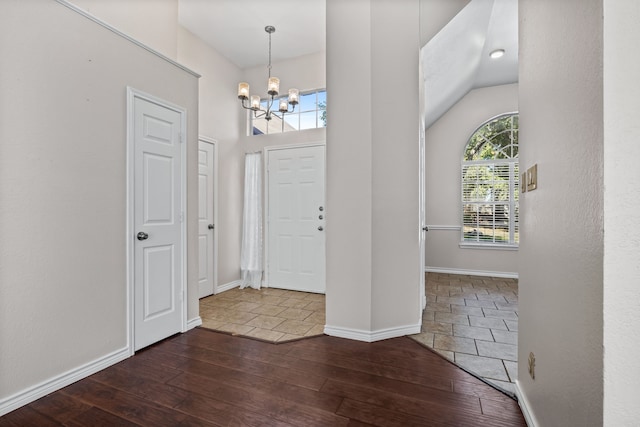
473 322
269 314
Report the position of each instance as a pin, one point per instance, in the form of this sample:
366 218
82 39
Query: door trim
265 164
215 208
132 94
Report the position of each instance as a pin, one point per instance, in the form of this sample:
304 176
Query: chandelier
273 87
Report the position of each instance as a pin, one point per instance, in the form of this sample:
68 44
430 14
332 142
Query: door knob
142 236
425 228
320 228
321 208
211 226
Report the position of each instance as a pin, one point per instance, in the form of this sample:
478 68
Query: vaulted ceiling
457 59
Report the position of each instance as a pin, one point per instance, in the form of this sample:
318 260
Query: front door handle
142 236
211 226
320 228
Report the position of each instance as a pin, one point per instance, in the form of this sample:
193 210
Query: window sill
491 246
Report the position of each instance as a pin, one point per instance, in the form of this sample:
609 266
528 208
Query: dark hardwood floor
206 378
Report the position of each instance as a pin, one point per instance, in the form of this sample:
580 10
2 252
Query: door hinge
181 216
181 137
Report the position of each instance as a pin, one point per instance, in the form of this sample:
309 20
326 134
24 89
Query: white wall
305 73
373 261
561 250
445 143
152 22
621 208
63 80
349 192
220 119
435 15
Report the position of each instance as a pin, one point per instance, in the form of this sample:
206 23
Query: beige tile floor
473 322
269 314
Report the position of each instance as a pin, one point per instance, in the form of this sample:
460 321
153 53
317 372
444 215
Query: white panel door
296 219
157 223
206 227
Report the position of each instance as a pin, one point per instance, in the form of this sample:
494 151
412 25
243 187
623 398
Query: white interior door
206 226
296 219
158 216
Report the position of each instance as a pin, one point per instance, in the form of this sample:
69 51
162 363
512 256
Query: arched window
490 184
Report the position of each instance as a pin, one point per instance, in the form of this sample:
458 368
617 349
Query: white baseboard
228 286
192 323
56 383
371 336
524 406
504 274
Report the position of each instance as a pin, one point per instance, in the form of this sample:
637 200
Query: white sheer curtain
251 254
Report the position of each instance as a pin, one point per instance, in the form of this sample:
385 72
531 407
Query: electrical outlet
532 365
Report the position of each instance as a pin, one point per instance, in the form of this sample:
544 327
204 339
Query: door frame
422 207
215 208
132 94
265 165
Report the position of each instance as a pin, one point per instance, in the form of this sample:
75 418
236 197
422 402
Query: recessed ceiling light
496 53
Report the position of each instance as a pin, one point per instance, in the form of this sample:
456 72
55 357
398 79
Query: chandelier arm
270 103
245 107
280 114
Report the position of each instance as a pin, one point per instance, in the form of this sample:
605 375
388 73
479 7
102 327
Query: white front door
296 219
157 221
206 227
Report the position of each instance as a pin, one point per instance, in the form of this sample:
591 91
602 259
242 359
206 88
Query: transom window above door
490 185
310 113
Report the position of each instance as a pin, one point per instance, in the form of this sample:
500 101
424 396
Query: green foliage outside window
490 183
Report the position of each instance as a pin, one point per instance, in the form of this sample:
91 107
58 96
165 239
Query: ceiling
455 61
235 28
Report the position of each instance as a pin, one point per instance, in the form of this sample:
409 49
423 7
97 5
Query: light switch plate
532 177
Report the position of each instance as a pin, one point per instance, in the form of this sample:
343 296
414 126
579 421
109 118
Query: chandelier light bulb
243 91
255 102
283 106
274 86
294 96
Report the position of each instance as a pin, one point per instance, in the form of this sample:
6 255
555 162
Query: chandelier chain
269 53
